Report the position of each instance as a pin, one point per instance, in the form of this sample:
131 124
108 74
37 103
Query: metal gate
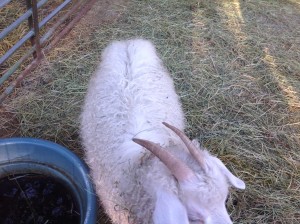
38 43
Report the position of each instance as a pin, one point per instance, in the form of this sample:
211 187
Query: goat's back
130 95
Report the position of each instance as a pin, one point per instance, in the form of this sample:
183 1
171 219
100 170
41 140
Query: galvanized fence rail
38 48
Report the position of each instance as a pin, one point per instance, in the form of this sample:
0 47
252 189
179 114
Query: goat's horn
179 169
189 144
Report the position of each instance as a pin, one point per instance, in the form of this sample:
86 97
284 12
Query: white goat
128 99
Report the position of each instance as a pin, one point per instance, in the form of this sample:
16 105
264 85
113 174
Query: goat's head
202 191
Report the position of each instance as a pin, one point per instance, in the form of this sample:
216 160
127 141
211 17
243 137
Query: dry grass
236 66
10 13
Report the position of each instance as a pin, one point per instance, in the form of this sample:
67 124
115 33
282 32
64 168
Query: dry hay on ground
236 68
9 14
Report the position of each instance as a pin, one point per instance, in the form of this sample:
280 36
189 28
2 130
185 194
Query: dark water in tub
36 199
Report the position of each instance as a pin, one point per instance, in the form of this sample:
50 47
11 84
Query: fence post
34 36
30 24
35 22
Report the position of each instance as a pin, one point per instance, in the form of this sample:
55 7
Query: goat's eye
196 221
194 218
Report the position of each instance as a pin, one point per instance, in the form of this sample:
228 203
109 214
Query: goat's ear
233 180
169 209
